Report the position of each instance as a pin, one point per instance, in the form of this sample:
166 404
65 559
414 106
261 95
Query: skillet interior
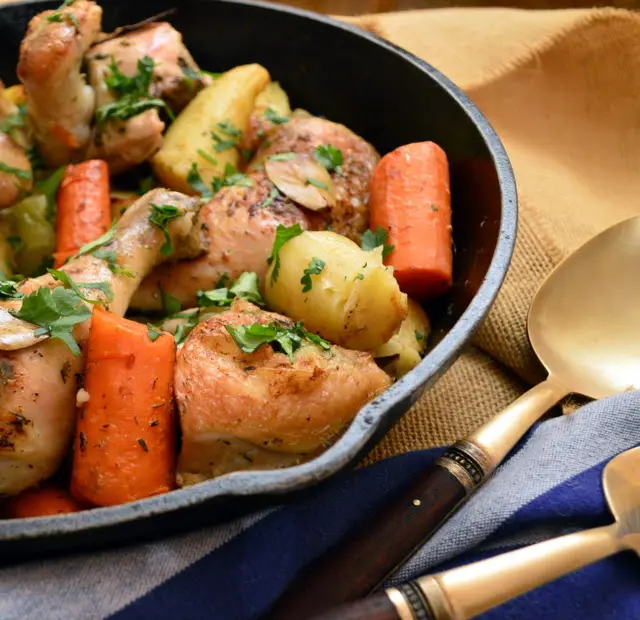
390 98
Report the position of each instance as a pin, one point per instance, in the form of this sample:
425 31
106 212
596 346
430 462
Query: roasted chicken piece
240 233
350 215
243 411
176 79
15 173
40 376
60 102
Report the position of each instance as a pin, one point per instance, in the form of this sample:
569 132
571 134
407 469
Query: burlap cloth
562 89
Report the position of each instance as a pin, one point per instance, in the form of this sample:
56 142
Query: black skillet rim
366 421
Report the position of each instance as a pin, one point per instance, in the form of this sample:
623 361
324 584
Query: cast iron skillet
390 98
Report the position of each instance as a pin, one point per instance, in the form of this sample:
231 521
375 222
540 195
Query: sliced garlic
304 180
16 334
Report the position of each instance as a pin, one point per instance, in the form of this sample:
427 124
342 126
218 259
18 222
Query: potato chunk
223 109
404 350
353 300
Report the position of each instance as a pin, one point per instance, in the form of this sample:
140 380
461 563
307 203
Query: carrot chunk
83 207
42 502
410 198
125 445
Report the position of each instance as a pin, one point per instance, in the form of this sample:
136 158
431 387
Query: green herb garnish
369 240
284 338
317 183
359 276
231 131
153 332
18 172
419 336
160 216
170 305
191 76
183 330
9 290
315 267
282 157
273 194
330 157
49 187
146 184
58 16
76 287
271 115
245 287
55 312
212 160
197 184
283 234
132 92
111 258
107 237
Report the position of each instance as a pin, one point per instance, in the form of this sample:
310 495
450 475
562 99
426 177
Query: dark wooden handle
355 568
376 607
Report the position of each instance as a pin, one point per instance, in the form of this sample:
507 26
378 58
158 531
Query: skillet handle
356 568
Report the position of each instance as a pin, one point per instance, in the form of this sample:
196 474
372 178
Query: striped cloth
550 486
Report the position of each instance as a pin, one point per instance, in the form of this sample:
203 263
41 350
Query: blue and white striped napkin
550 486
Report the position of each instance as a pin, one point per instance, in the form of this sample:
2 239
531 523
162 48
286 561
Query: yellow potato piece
15 94
229 101
354 301
408 344
274 97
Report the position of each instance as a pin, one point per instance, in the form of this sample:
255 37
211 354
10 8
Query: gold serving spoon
583 325
463 593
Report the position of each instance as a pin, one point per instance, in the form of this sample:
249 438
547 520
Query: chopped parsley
17 172
315 267
212 160
273 194
160 216
282 157
184 329
283 234
330 157
419 336
132 92
282 337
317 183
231 177
359 276
59 17
153 332
9 290
76 287
49 187
90 247
369 240
191 75
271 115
14 121
170 305
245 287
196 182
232 133
146 184
56 312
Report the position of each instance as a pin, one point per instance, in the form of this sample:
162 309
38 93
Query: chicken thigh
40 376
60 102
240 233
260 410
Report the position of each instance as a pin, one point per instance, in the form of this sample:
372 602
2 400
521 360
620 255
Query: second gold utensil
463 593
583 324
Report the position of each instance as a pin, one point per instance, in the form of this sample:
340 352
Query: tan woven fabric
562 89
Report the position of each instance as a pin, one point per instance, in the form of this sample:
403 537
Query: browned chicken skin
124 144
241 231
259 410
60 103
240 236
350 216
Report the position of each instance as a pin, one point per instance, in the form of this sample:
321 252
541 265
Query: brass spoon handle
465 592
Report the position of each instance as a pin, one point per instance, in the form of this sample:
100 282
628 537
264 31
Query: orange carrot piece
125 445
84 207
410 198
41 502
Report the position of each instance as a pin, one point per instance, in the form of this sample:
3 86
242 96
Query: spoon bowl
583 322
